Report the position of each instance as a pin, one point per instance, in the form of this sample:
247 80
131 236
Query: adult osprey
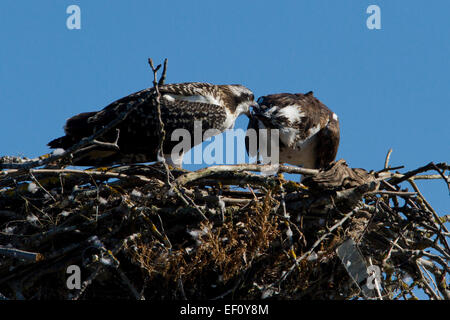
308 130
215 106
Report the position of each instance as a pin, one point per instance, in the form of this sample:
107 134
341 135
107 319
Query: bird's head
278 110
263 113
243 98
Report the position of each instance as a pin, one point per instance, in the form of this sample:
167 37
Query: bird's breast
303 155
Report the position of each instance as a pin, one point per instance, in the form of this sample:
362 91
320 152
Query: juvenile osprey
216 106
308 130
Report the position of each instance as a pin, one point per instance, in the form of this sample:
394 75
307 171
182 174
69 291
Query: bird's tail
91 155
77 128
63 142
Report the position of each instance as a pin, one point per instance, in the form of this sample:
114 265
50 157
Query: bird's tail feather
79 127
61 142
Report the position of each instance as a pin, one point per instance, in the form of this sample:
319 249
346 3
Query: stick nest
140 232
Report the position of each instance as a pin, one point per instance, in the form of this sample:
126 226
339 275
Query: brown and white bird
308 130
216 106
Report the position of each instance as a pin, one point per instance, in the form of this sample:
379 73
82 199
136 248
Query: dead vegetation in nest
223 232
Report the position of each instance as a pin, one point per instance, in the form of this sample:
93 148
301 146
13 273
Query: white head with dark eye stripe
243 98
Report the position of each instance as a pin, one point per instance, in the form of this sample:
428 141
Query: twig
427 285
393 193
412 173
163 76
377 285
203 173
41 161
110 145
441 173
286 216
318 241
21 254
158 108
388 156
40 186
436 216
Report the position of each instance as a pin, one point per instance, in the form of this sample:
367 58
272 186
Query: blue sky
390 87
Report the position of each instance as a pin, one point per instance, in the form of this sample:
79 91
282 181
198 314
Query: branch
21 254
207 172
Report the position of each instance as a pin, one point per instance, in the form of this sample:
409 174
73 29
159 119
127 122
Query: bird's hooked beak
254 106
262 115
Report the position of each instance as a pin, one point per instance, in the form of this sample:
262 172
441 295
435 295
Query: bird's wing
175 112
192 92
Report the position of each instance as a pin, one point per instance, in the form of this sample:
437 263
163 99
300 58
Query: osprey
138 136
308 130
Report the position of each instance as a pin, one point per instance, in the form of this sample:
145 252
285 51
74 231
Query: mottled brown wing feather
139 132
